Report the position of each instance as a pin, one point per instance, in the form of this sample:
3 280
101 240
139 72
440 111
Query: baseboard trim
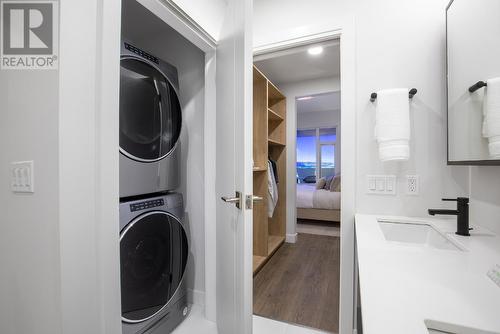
196 297
291 238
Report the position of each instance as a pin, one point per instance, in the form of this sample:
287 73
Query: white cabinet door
234 169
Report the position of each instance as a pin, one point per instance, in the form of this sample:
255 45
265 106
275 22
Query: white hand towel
272 189
392 124
491 123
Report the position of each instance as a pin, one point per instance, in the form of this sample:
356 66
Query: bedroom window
327 156
315 153
306 156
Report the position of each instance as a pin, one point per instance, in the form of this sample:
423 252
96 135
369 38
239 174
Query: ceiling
296 64
319 102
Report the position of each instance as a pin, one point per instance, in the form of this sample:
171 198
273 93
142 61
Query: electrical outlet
412 186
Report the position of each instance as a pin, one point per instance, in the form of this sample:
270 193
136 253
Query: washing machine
150 123
153 257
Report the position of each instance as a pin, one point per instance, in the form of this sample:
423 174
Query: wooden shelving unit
269 132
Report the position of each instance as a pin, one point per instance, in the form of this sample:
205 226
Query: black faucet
462 213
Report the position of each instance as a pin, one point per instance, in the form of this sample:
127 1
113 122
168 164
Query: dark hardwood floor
300 283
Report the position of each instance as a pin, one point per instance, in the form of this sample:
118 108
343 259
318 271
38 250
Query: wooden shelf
258 263
274 242
274 116
273 142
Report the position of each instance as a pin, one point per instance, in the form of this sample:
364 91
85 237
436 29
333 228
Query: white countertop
402 285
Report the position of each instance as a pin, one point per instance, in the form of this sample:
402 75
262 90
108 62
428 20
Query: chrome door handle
236 199
250 199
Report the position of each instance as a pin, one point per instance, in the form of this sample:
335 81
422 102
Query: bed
317 204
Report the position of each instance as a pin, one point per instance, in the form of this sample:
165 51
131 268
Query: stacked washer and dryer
153 241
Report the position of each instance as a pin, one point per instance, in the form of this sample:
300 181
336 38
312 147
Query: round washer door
150 112
153 257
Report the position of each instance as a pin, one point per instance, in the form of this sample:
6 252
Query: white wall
281 20
386 57
55 244
292 91
208 14
162 41
29 228
318 119
395 60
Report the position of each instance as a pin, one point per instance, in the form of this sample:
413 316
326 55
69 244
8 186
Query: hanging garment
275 170
272 189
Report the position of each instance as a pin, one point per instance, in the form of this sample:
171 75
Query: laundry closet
162 223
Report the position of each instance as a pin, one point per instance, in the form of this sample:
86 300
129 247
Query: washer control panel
141 53
138 206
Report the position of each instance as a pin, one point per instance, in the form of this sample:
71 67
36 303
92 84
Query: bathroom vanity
417 276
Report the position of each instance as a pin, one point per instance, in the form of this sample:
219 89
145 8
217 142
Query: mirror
473 77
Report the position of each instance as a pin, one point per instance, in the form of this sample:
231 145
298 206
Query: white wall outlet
381 184
22 177
412 185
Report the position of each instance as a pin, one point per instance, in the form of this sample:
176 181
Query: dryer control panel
138 206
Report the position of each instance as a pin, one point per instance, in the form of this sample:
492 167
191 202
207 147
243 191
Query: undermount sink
417 234
437 327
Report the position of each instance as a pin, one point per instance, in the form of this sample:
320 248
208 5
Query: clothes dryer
150 123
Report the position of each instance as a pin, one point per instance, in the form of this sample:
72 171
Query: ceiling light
305 98
315 50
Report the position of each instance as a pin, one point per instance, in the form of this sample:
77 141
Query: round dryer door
154 252
150 113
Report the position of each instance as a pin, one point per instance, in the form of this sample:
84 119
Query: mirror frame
458 162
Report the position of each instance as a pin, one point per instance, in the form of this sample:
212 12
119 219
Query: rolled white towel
394 150
491 122
392 128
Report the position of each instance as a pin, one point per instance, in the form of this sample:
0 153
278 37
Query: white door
234 170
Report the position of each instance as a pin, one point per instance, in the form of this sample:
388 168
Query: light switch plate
381 184
22 177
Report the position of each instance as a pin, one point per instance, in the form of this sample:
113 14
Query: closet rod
411 94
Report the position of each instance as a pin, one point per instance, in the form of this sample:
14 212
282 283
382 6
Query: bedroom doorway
318 165
297 278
